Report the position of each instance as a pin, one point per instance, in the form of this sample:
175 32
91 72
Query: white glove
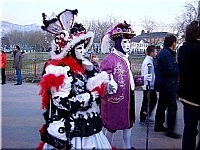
95 95
148 77
112 86
87 64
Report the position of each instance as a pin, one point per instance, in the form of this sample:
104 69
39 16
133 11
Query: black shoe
173 135
17 84
163 129
3 83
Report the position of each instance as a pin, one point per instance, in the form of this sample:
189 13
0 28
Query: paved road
22 119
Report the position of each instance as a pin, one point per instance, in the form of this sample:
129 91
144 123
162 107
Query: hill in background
7 27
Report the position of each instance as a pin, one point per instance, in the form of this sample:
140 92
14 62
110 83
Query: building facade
138 45
142 41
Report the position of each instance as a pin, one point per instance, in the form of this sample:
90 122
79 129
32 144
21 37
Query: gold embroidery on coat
114 99
119 72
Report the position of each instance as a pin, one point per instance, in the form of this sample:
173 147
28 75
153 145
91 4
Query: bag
139 80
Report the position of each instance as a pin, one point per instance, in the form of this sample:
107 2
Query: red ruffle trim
100 89
50 80
40 146
46 84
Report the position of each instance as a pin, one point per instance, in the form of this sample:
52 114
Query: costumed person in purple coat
69 97
118 105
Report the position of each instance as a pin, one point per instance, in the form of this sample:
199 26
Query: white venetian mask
126 44
79 51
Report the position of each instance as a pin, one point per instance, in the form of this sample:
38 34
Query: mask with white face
126 44
79 51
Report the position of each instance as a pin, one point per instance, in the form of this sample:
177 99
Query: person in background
88 65
188 62
118 104
3 67
158 48
151 53
167 85
17 64
95 62
88 55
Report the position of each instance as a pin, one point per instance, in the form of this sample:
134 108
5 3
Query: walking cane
148 106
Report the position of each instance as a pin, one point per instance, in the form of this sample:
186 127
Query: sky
25 12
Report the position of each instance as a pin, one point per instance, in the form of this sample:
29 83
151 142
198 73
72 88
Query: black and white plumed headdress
68 34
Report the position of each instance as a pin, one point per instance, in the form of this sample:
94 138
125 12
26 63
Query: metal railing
32 68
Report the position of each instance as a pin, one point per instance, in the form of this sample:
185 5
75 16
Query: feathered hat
68 34
121 30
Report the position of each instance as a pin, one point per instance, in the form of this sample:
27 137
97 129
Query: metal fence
32 68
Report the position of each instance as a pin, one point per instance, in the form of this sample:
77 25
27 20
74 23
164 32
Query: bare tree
15 37
31 39
172 28
189 13
160 27
149 25
5 43
100 26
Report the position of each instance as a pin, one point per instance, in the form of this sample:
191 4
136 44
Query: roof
26 48
138 39
154 34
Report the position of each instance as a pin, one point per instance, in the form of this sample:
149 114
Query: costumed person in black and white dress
70 98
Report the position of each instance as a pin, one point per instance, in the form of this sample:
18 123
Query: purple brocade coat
115 108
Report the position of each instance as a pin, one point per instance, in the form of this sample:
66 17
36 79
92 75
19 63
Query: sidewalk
22 119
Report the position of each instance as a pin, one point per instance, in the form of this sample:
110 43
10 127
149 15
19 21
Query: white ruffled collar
115 51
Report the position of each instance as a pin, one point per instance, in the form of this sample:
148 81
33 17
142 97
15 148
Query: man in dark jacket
17 64
167 85
189 62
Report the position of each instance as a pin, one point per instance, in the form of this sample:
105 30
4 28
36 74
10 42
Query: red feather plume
100 89
46 84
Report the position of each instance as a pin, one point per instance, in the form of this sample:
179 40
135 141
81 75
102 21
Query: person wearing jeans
19 76
17 64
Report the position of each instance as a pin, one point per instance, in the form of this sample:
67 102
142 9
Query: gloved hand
87 64
148 77
112 86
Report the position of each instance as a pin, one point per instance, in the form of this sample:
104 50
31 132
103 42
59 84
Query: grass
33 63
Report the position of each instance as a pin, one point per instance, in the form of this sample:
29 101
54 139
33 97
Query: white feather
105 44
97 80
